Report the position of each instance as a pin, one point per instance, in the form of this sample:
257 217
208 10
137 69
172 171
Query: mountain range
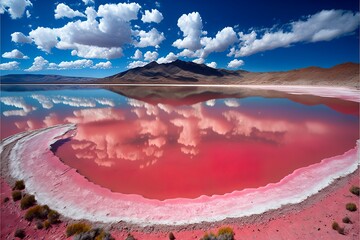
181 72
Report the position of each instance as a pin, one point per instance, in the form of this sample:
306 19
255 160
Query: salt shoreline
72 200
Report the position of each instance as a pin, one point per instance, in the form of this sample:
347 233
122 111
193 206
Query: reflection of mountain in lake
191 95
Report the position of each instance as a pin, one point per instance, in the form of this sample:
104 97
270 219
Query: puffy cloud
191 26
9 65
136 64
101 35
199 60
146 39
212 64
151 56
39 64
152 16
120 11
15 54
323 26
44 38
103 65
137 55
86 51
28 15
187 53
88 2
235 63
62 10
77 64
15 8
19 37
223 39
168 59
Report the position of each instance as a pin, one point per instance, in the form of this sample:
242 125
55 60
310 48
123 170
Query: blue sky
100 38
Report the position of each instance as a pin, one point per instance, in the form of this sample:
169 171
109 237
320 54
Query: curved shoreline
77 199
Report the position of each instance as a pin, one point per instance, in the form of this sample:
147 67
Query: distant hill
346 75
178 72
42 79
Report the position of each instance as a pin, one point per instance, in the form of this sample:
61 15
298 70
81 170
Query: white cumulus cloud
199 60
151 56
149 39
19 37
137 55
168 59
322 26
103 65
152 16
136 64
64 11
15 8
15 54
88 2
191 26
223 39
39 64
44 38
86 51
235 63
77 64
9 65
212 64
101 35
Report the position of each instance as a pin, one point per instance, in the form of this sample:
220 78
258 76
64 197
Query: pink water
200 150
163 149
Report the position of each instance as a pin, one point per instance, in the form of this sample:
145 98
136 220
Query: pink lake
199 142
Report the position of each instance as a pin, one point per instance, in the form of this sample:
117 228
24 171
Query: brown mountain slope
177 72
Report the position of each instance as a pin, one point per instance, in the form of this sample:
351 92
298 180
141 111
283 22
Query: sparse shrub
47 224
53 216
6 199
351 207
77 228
37 212
130 237
341 231
346 220
19 185
16 195
337 227
19 233
171 236
27 201
355 190
226 233
88 235
94 234
209 236
39 225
